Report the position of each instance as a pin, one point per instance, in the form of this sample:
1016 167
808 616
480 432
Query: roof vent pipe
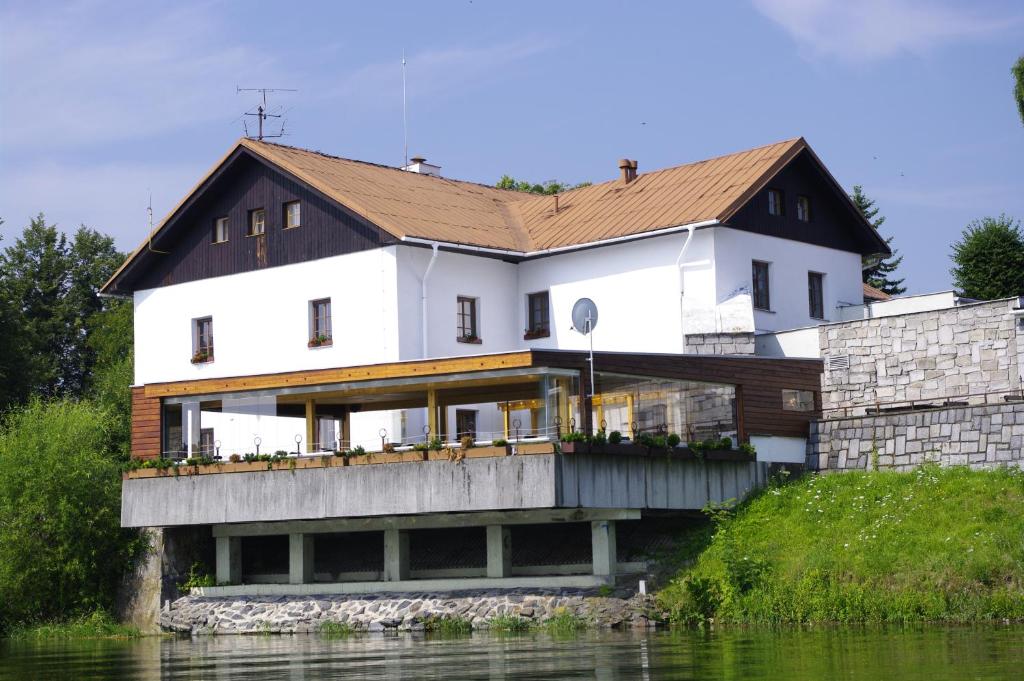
627 169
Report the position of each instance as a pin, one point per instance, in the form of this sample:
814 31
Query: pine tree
876 270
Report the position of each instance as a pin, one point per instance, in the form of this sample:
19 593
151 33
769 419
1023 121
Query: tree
876 271
13 383
989 259
110 386
62 548
1018 86
52 289
549 187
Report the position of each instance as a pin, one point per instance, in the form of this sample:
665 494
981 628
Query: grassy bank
96 625
932 545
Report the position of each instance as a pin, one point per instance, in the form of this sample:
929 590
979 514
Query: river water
927 653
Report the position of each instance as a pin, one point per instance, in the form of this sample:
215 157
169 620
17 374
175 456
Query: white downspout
679 272
423 294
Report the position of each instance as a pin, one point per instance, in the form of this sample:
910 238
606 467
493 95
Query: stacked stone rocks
720 343
400 612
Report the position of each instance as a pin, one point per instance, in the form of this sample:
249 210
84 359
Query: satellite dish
584 315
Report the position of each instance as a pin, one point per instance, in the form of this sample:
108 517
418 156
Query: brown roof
413 205
872 293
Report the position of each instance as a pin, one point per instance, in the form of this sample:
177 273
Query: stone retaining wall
401 612
720 343
941 354
977 436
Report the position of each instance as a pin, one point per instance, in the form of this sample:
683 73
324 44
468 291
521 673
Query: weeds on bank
97 625
936 544
564 622
449 626
331 629
510 624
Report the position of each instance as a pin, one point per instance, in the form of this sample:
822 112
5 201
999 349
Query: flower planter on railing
682 453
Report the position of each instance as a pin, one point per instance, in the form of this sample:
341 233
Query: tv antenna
261 113
584 319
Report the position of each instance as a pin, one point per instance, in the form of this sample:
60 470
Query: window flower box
533 334
202 357
469 338
320 342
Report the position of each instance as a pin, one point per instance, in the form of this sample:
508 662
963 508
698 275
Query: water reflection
794 655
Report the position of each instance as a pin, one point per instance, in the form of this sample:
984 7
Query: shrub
500 442
725 443
673 440
599 438
450 626
421 446
234 458
388 448
358 450
436 444
748 449
466 442
574 436
614 437
62 548
197 577
509 623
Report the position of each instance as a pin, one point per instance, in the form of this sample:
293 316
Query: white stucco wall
794 343
790 263
261 319
491 281
635 286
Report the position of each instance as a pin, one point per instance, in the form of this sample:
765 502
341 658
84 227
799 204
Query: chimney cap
625 163
417 159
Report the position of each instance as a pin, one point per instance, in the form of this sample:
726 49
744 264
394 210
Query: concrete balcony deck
498 483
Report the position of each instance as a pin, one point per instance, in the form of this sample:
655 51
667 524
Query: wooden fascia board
416 369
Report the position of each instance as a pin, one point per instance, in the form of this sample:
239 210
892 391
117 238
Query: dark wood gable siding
832 223
247 184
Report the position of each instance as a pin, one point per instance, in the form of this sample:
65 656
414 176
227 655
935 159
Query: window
291 214
465 423
320 323
257 222
815 294
220 230
202 340
775 206
762 301
538 316
797 400
207 444
803 208
466 320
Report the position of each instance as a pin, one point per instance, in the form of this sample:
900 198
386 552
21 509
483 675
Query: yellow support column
310 425
432 412
629 414
506 414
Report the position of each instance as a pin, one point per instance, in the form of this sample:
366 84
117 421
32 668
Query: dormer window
292 214
257 222
775 206
803 208
220 230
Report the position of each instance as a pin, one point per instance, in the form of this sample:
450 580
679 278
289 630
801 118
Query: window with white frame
202 340
761 295
220 230
466 320
320 332
257 222
292 214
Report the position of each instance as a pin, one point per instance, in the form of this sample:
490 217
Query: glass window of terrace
634 405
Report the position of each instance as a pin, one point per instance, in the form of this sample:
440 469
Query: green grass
449 626
331 629
96 625
509 624
931 545
564 622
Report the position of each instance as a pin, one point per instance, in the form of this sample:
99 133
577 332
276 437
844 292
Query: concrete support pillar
191 428
396 555
499 551
229 560
346 429
311 434
300 558
602 538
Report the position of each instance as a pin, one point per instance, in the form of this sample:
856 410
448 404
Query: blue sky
102 103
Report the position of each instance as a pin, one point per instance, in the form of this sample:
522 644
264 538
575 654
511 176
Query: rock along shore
200 615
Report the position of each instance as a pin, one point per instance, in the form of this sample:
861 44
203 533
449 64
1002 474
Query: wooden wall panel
145 425
245 184
832 223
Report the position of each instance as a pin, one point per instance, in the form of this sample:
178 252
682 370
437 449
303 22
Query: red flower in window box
319 342
202 356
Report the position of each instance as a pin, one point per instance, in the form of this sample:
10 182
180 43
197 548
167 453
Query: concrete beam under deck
406 586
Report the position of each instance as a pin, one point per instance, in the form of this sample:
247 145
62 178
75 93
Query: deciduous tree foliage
989 259
877 272
1018 86
549 187
62 549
